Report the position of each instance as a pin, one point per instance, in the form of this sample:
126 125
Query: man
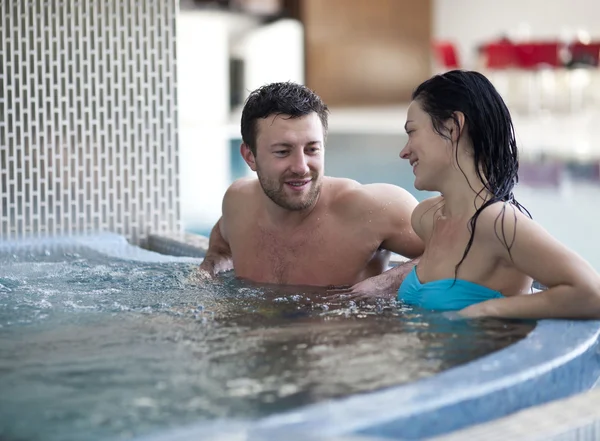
293 225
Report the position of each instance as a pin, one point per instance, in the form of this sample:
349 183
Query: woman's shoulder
502 211
499 221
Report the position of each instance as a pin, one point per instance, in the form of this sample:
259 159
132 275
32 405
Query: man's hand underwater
383 286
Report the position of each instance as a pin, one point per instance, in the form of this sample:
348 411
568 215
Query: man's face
290 159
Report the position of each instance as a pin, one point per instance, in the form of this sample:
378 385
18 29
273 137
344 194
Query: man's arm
218 256
398 233
394 208
383 286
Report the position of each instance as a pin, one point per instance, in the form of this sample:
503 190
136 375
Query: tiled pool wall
575 418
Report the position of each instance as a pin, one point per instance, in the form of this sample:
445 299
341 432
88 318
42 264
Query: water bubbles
44 304
146 402
269 398
320 349
198 404
288 389
116 306
76 305
243 387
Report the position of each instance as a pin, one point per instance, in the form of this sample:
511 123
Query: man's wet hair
287 98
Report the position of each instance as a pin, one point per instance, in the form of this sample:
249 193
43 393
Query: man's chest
322 255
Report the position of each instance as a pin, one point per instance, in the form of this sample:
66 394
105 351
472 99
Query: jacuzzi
111 341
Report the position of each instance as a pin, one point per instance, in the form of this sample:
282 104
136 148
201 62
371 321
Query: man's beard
276 191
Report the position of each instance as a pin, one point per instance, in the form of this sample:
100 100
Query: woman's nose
405 152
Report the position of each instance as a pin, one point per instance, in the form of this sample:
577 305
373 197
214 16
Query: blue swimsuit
444 294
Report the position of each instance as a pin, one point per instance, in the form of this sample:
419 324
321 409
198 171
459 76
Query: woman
482 249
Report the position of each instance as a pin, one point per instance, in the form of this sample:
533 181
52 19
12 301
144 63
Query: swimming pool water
96 347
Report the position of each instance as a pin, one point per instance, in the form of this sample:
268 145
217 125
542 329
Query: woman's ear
456 125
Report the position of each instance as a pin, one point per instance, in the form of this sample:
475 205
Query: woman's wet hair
489 125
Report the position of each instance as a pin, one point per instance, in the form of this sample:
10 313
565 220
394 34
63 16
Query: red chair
497 58
584 59
535 55
500 55
536 58
446 55
586 54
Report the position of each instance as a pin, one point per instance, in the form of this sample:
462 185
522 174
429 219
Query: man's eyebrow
288 145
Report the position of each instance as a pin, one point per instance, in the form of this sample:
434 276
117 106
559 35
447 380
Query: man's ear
248 156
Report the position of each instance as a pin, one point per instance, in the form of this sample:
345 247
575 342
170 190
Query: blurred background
364 58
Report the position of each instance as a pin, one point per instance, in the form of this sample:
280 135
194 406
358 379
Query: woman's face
429 153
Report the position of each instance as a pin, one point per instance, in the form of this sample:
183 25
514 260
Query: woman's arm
573 285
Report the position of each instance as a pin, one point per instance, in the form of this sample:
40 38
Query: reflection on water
92 347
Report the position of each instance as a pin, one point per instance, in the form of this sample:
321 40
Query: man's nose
299 165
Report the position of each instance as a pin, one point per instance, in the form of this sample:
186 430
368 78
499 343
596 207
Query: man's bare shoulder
388 208
245 184
348 193
428 206
422 216
335 186
387 192
243 189
380 211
